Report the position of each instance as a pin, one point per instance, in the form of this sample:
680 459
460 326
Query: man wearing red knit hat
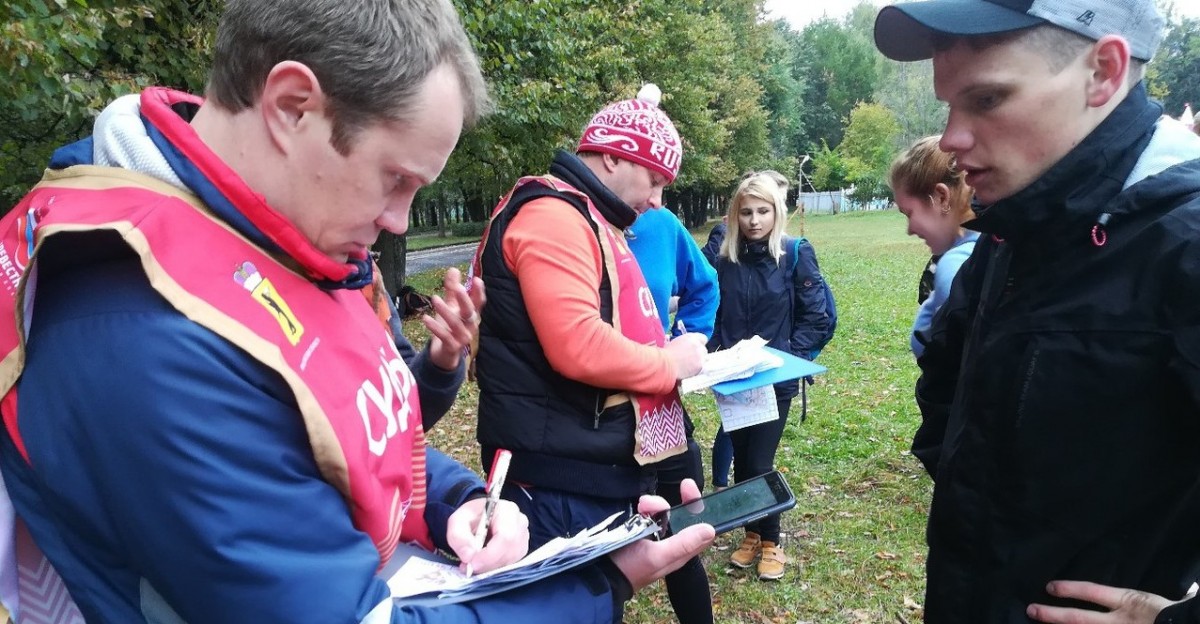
575 377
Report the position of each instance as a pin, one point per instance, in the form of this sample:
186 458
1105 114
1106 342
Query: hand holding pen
687 352
489 533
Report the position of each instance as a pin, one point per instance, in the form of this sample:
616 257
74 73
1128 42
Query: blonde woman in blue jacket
771 286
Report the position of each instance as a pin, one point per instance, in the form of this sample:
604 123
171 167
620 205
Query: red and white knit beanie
638 131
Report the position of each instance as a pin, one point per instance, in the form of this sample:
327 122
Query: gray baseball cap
904 32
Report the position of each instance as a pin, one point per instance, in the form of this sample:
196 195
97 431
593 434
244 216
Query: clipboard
446 586
793 368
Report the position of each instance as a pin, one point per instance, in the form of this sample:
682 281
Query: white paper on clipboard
746 408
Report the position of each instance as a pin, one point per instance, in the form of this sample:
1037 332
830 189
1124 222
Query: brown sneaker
749 550
771 566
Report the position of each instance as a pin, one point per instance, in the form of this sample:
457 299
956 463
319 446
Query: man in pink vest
204 418
575 376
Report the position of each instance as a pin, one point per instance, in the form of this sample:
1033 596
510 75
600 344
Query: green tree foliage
746 93
783 92
1176 68
868 148
840 72
907 89
830 170
545 81
63 60
553 63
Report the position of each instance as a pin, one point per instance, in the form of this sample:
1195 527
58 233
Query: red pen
496 479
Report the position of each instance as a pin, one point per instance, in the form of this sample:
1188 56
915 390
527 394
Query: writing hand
508 536
687 354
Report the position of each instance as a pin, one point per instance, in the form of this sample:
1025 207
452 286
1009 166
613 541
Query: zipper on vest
600 398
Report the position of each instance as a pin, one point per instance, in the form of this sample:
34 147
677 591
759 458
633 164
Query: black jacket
712 247
783 302
1060 390
561 435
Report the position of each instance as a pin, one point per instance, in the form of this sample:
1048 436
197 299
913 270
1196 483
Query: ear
292 104
610 162
940 195
1108 61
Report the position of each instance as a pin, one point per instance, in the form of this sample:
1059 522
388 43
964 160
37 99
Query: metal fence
833 202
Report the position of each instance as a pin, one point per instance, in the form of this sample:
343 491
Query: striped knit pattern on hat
638 131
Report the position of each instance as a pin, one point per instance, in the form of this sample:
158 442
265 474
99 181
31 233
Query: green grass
856 538
429 241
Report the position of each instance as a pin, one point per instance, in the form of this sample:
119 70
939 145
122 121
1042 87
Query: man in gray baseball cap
1060 385
903 32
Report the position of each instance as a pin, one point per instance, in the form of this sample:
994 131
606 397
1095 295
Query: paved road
454 255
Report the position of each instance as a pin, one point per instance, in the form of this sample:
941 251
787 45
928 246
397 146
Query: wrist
445 362
619 585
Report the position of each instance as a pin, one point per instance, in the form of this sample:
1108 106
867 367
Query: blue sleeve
174 469
921 324
579 596
943 278
696 285
712 247
184 464
436 388
714 342
810 323
450 484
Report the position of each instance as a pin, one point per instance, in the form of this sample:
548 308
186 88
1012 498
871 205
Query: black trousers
687 587
754 454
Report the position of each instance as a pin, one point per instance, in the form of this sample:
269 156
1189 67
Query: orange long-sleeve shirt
557 260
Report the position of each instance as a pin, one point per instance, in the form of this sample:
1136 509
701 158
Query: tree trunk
691 208
414 216
439 208
476 206
392 250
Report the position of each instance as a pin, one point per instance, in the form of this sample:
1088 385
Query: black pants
754 454
687 587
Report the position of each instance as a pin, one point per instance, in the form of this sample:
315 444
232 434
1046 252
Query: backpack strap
796 253
805 382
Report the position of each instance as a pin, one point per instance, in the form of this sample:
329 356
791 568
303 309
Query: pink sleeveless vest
357 398
660 430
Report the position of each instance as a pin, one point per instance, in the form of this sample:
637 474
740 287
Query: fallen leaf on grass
886 556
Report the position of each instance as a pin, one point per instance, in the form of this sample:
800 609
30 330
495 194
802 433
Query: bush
468 229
